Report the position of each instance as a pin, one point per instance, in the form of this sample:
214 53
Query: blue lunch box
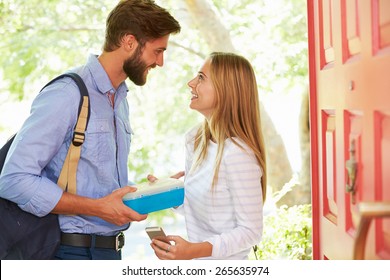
159 195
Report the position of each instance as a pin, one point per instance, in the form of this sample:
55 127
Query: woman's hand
151 178
180 249
178 175
177 250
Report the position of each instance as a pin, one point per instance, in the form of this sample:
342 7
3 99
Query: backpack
24 235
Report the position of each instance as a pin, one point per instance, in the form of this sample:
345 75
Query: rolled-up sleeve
42 136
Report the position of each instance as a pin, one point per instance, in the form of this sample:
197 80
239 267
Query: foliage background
39 43
42 38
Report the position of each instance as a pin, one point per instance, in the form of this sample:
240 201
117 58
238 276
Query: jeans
86 253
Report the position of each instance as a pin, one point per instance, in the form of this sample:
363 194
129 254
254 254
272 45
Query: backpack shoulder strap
67 178
4 151
80 84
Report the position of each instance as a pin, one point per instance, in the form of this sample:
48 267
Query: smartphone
157 233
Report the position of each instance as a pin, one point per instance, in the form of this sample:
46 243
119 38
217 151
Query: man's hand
115 211
110 208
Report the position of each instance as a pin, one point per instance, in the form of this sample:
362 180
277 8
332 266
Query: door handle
352 168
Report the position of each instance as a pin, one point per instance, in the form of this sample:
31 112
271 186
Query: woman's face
203 92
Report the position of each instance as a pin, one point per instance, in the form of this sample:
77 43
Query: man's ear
129 42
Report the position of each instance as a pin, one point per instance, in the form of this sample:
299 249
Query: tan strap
67 179
63 178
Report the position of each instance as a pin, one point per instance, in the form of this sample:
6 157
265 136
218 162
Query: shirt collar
101 78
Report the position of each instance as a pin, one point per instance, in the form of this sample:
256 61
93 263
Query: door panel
382 176
350 25
329 164
349 64
382 22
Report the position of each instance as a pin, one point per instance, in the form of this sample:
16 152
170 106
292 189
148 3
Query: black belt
86 240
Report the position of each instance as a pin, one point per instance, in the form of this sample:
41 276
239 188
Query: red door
349 62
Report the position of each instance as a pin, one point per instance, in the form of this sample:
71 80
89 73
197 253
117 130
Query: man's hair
144 19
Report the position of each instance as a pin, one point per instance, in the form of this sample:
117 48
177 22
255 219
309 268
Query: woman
225 184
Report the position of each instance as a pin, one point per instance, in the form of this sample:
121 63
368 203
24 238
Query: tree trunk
301 188
304 133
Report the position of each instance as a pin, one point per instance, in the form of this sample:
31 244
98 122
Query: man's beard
135 68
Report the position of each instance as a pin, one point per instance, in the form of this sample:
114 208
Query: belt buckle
119 241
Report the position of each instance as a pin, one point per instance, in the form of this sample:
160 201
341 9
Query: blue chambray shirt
36 157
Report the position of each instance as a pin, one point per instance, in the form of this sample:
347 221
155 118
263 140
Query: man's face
144 58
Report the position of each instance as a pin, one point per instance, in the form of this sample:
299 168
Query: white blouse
229 216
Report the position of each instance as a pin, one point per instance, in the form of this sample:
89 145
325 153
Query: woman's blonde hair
236 113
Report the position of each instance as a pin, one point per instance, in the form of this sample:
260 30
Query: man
137 34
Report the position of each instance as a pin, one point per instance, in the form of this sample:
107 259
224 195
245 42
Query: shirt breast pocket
128 133
99 148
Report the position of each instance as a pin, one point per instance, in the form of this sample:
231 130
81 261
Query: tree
38 44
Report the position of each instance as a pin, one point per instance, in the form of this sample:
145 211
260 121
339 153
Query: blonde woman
225 183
